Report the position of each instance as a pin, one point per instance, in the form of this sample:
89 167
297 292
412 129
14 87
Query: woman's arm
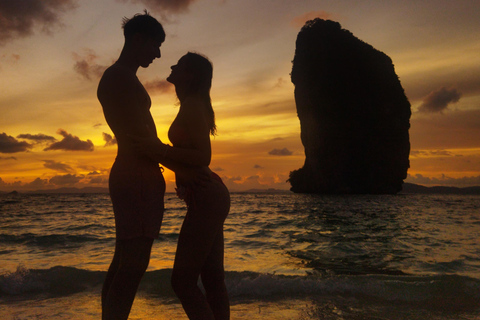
198 153
186 156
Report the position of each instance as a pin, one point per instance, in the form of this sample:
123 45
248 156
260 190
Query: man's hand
150 146
194 177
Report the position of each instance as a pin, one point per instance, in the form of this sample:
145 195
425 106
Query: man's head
143 24
143 36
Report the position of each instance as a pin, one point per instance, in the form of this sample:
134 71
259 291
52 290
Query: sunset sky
53 52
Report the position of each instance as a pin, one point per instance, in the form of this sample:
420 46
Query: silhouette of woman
200 248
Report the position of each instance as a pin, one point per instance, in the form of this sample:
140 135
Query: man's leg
133 262
112 270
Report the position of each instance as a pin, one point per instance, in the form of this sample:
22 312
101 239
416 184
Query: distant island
61 190
415 188
408 188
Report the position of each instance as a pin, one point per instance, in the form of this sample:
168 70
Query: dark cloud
37 138
257 166
164 6
10 185
158 85
86 66
15 57
57 166
38 183
10 58
280 152
254 178
8 158
430 153
218 169
438 101
65 180
443 153
70 143
466 79
99 177
456 129
19 18
9 144
280 83
98 180
419 153
231 180
109 140
87 168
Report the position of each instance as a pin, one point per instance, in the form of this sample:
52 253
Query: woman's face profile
180 72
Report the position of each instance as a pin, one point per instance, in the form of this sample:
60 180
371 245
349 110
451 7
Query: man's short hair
143 24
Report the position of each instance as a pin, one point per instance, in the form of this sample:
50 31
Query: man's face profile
148 50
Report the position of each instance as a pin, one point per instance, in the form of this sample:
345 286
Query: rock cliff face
353 113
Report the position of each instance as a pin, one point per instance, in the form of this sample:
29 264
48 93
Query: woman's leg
133 259
199 237
193 247
213 280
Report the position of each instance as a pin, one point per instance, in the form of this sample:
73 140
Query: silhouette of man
136 183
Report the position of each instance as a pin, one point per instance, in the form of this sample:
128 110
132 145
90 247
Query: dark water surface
288 256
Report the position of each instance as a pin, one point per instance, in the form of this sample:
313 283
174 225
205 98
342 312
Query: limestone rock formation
353 113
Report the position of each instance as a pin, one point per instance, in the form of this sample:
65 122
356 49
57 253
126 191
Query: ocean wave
56 281
448 291
51 240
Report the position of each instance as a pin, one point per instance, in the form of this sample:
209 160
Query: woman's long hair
202 71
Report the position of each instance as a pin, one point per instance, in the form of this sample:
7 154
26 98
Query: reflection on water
288 256
270 233
384 234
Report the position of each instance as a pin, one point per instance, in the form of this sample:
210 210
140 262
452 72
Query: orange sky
52 130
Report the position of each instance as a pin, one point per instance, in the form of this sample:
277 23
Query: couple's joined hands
156 150
150 146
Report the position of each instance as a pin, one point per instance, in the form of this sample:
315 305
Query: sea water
287 256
